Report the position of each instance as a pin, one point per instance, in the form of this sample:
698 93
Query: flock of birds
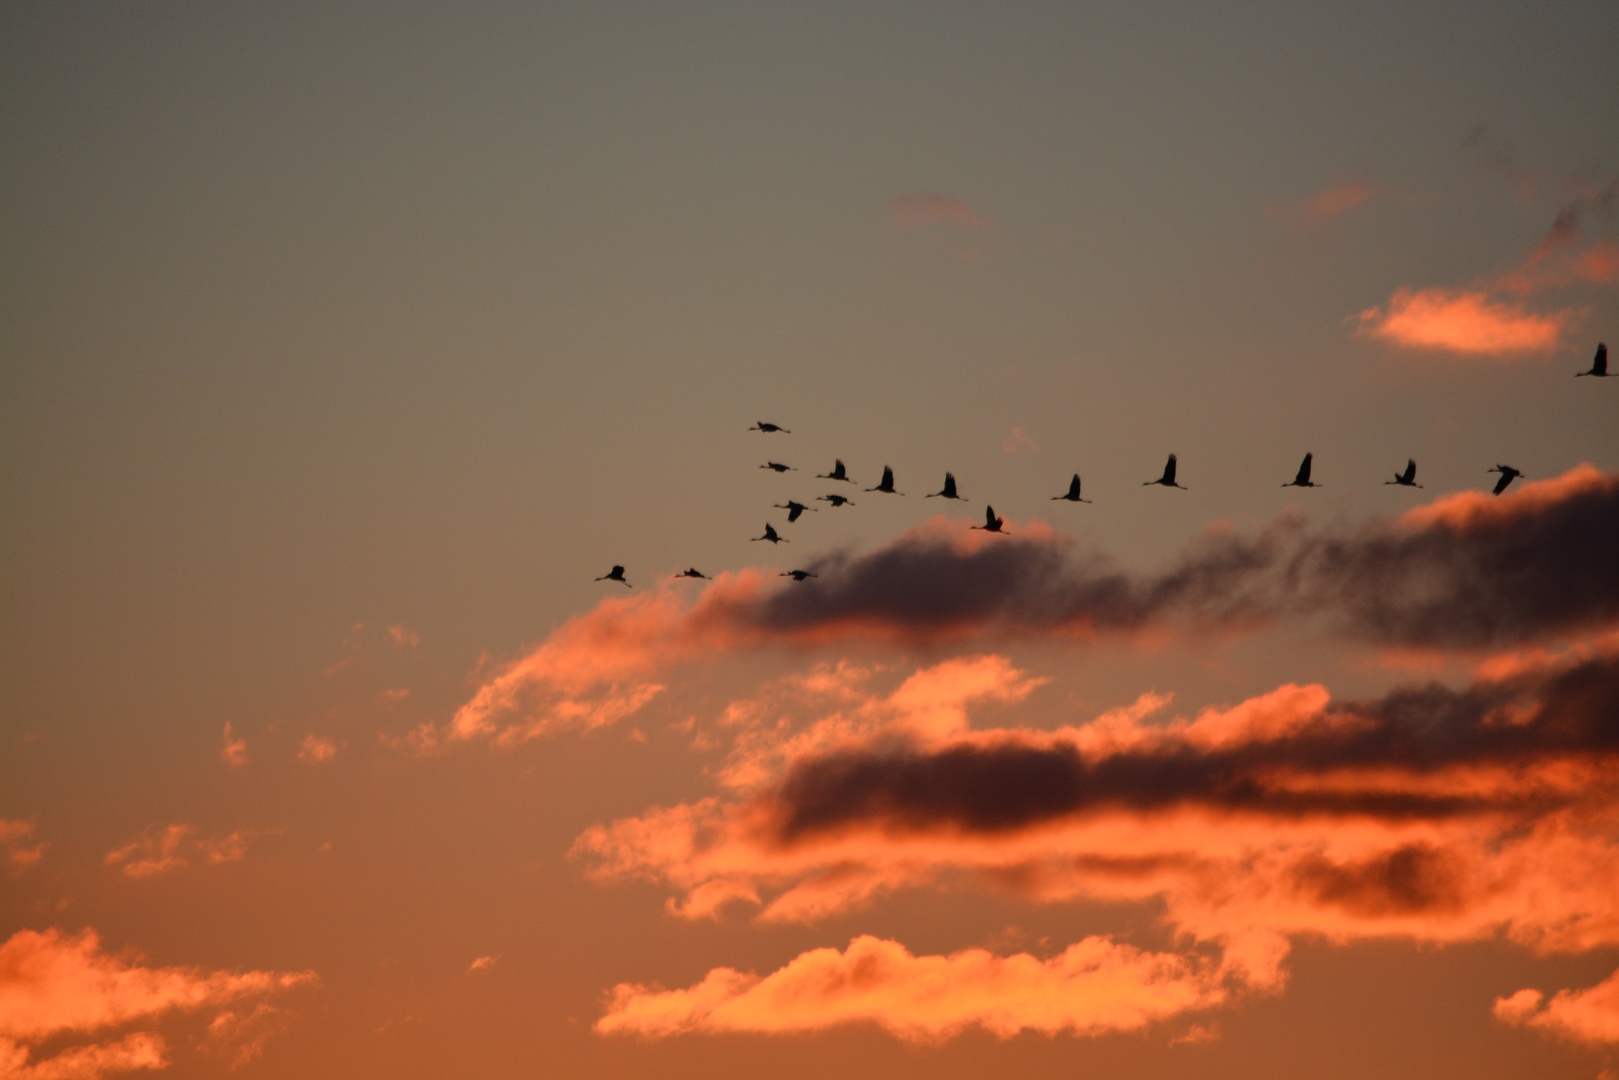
995 524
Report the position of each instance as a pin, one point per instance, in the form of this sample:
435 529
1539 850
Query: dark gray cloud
1569 713
1533 567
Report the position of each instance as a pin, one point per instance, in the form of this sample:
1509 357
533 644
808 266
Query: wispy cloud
21 849
912 210
1466 323
316 749
1326 205
171 847
1092 987
54 986
233 750
1590 1015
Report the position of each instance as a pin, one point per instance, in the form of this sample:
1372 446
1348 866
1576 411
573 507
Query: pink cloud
1590 1015
913 210
16 838
316 750
1326 205
54 985
1464 322
234 750
1092 987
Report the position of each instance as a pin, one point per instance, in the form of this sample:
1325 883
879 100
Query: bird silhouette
770 534
991 522
888 483
1599 363
776 466
1168 479
615 574
1303 477
762 426
949 489
798 575
795 509
1508 475
1073 492
1407 478
694 572
836 500
837 473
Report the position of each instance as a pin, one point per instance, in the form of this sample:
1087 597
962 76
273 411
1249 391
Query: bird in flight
794 508
1407 478
1168 479
762 426
991 522
1303 477
615 574
836 500
770 534
1599 363
798 575
1508 475
949 489
694 572
776 466
1073 492
888 483
837 473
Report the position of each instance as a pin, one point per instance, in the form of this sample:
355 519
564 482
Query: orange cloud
1429 814
53 985
1590 1015
912 210
1464 322
403 637
154 852
15 837
157 851
1092 987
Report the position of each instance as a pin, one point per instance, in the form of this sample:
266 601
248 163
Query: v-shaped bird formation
993 523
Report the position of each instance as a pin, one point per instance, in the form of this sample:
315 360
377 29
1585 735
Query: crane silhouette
1599 363
837 473
762 426
949 489
615 574
795 509
1303 477
1168 479
991 522
694 572
770 534
1073 492
798 575
887 484
1407 478
1508 475
836 500
776 466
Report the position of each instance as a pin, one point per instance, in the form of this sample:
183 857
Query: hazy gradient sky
342 347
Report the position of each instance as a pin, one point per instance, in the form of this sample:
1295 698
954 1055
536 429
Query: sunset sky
344 347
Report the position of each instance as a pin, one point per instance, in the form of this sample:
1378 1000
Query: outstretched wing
1599 366
1303 478
1169 471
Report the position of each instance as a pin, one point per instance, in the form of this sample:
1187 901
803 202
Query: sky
345 350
